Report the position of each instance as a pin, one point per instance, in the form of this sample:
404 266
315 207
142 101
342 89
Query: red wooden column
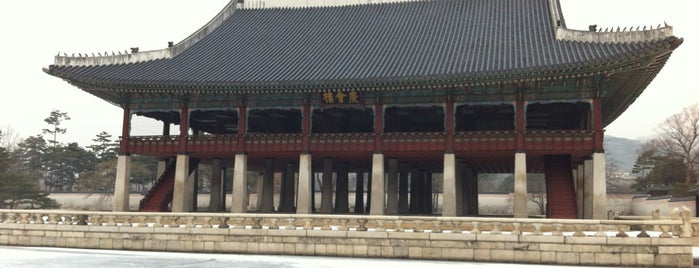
125 130
378 127
597 124
242 128
184 128
449 124
306 129
519 123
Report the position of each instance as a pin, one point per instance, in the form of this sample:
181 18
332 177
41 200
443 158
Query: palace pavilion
392 93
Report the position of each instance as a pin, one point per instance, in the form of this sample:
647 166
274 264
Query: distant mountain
622 152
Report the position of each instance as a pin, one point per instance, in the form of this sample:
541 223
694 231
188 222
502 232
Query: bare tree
679 137
9 139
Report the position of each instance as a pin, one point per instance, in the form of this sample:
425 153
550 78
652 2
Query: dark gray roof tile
379 42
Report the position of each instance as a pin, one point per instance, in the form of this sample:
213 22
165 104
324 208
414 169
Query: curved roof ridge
608 36
135 56
618 36
268 4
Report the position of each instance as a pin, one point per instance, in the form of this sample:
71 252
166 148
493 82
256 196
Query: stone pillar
587 189
162 165
599 187
286 198
449 186
305 188
190 195
520 201
259 184
180 190
392 187
359 193
471 181
414 206
267 196
403 207
326 198
378 193
580 193
120 201
342 189
239 203
217 193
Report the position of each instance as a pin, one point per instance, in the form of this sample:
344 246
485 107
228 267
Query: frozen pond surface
61 257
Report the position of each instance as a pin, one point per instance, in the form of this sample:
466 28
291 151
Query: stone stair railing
667 228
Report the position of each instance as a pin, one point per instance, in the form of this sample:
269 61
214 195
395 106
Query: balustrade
550 140
454 225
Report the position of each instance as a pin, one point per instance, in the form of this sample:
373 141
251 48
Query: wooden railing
553 140
453 225
344 142
485 140
549 140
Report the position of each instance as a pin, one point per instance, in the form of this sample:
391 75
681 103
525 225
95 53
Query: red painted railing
559 140
342 142
414 141
547 141
485 140
285 142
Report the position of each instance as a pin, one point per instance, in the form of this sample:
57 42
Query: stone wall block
106 243
527 256
548 257
556 247
449 236
590 240
667 260
587 248
374 251
305 249
636 241
607 259
481 254
568 258
502 255
542 239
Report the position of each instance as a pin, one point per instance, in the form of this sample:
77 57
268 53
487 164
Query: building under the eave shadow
394 92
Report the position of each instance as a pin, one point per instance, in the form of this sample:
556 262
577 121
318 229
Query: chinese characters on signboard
340 97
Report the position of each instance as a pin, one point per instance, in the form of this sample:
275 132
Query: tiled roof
386 43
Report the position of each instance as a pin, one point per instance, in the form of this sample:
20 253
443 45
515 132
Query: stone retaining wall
536 241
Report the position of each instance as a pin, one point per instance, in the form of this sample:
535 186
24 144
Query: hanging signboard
341 97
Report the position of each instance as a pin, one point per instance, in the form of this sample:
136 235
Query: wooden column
342 189
378 127
266 197
326 197
217 193
415 182
404 172
392 187
125 130
306 129
184 128
597 124
166 128
359 193
520 120
242 128
449 125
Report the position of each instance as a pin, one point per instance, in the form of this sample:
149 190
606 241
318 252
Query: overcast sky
34 31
